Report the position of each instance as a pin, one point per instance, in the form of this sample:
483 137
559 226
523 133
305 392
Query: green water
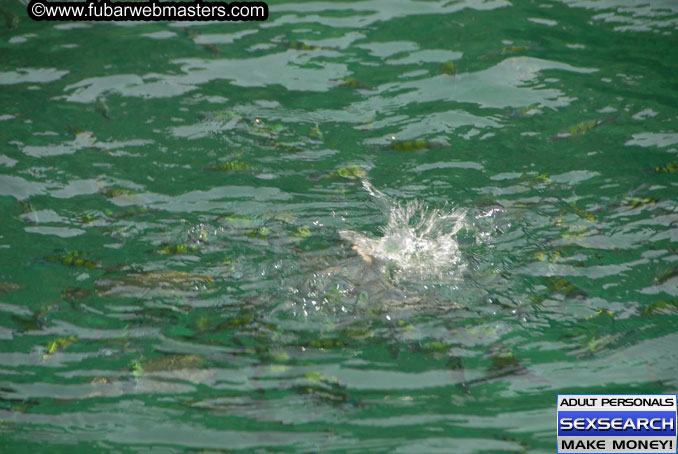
173 273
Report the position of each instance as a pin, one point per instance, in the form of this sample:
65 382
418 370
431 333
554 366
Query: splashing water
417 242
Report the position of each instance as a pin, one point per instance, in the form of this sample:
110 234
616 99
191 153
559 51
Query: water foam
417 241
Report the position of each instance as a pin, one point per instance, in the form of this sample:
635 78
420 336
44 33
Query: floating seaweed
666 275
301 232
59 345
157 280
669 167
316 133
300 45
230 166
176 249
325 389
233 323
547 256
351 172
117 192
169 278
326 344
534 179
285 217
14 405
601 314
358 332
72 259
572 206
514 49
406 146
639 202
350 83
448 68
564 287
504 361
286 147
26 206
167 364
236 221
436 347
87 219
260 233
597 342
661 307
581 128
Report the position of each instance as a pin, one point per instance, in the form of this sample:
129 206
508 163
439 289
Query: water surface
381 226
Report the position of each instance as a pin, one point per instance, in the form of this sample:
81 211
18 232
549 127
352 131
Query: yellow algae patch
59 345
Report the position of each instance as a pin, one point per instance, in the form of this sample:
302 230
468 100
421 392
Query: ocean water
383 226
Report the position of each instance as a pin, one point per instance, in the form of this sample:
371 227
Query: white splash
417 242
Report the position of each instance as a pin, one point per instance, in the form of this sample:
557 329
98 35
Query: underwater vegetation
316 133
351 172
350 83
167 278
639 202
448 68
666 275
230 167
72 258
300 45
111 193
166 364
661 307
535 179
59 345
669 167
176 249
582 128
325 389
407 146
